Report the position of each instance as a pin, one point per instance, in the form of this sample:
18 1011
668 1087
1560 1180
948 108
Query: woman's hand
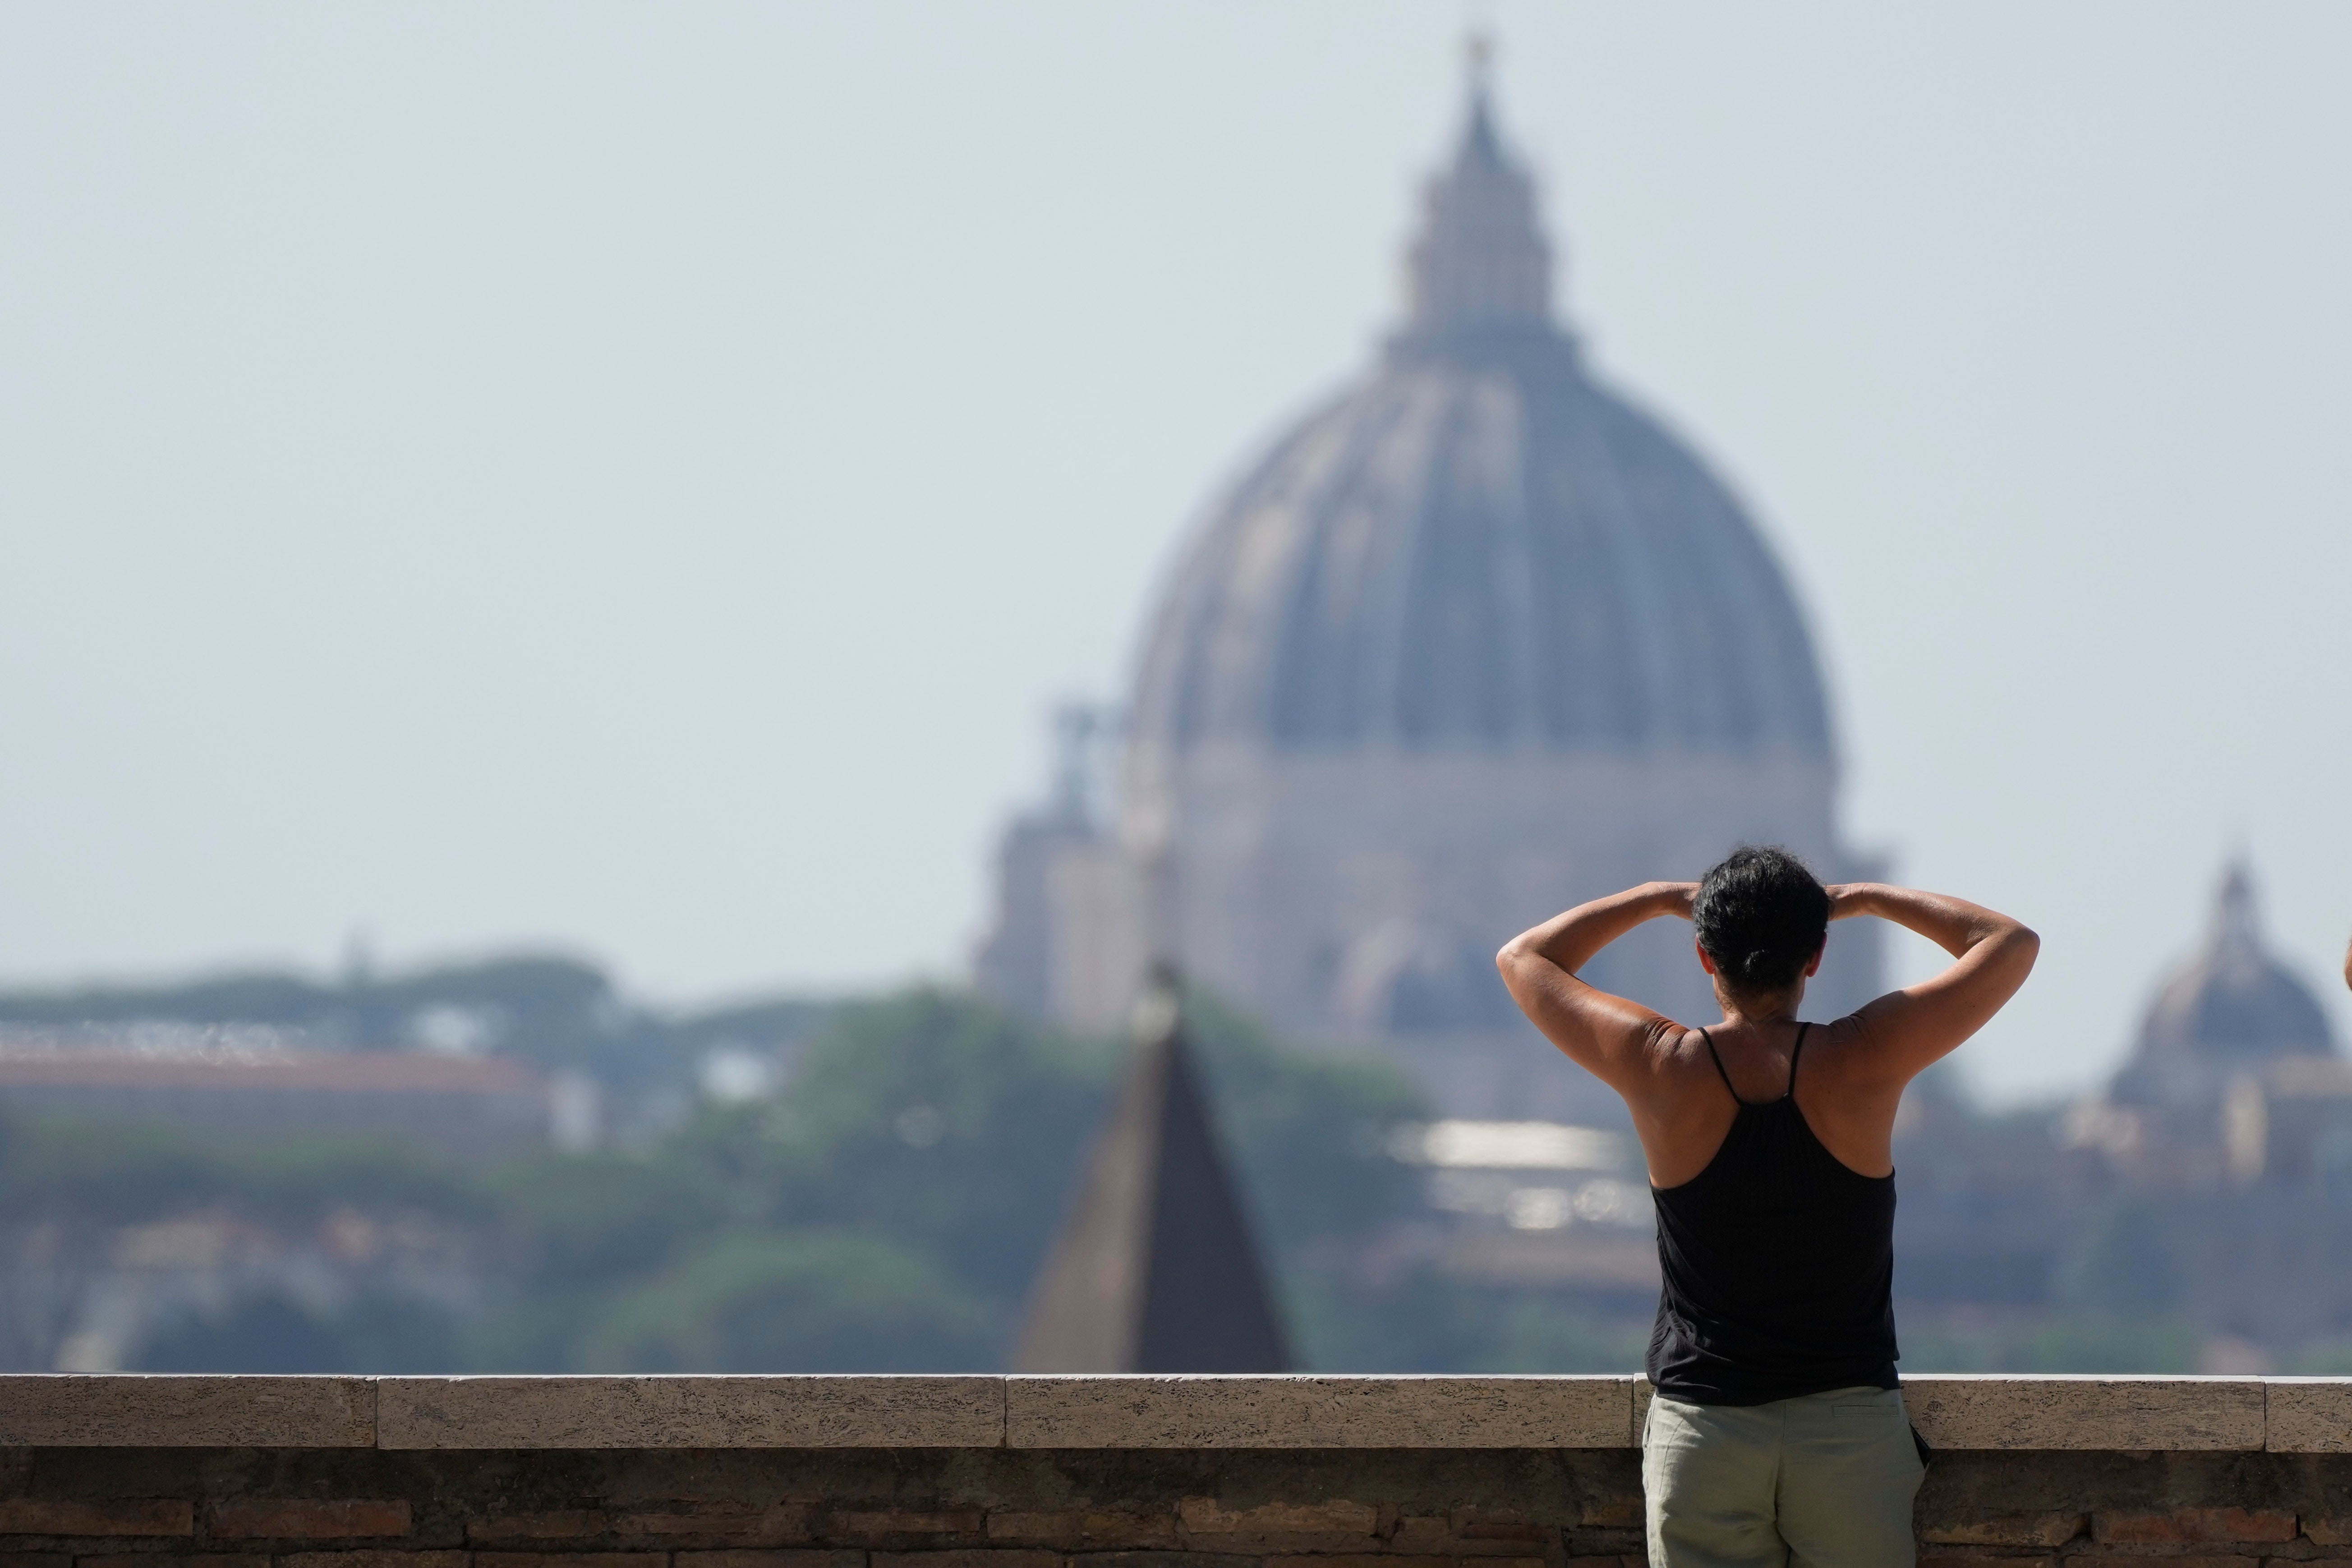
1848 900
1676 898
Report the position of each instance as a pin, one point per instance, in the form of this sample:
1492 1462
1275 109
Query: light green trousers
1821 1481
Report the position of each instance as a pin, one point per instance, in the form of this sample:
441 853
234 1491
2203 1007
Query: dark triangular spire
1154 1269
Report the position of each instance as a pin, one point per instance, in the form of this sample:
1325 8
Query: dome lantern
1480 262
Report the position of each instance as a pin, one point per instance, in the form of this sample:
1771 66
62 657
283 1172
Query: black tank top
1779 1265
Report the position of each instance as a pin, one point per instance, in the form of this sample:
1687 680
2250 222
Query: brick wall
1309 1485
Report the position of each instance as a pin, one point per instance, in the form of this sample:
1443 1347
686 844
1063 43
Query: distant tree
940 1121
793 1301
373 1336
1309 1128
86 1172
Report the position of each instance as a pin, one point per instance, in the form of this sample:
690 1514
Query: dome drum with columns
1475 640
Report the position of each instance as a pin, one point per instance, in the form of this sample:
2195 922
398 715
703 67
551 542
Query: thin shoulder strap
1794 1052
1719 1064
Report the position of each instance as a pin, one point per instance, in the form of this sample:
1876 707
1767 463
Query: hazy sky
635 477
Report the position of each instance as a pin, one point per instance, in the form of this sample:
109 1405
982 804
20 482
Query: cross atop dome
1478 70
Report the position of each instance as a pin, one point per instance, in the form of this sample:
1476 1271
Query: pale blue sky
635 477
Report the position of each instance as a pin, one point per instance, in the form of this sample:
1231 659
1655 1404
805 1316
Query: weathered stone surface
900 1521
57 1410
987 1507
1316 1411
1095 1529
380 1557
772 1526
2283 1414
2115 1413
1337 1516
2192 1526
1612 1513
2005 1529
804 1558
2308 1415
970 1557
1422 1532
813 1412
294 1518
112 1516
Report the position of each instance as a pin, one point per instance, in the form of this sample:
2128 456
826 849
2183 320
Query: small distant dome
2230 1009
1477 548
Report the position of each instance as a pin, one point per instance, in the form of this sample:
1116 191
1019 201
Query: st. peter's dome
1478 548
1472 642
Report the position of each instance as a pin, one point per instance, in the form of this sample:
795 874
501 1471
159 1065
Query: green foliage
887 1211
2062 1341
793 1301
2321 1358
91 1172
271 1335
1309 1130
577 1220
1422 1320
937 1119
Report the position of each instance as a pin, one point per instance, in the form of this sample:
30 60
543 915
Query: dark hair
1761 916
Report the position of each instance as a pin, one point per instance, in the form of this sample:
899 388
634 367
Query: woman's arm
1608 1035
1992 954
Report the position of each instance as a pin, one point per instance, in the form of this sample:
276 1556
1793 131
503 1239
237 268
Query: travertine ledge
2291 1415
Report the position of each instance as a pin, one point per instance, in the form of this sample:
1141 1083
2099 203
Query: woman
1777 1432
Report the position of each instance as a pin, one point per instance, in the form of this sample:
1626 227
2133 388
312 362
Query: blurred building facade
1470 642
2225 1143
2197 1198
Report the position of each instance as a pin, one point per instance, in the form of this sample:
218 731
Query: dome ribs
1484 557
1327 668
1456 678
1594 690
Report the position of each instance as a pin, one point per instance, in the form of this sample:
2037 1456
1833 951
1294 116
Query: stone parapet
1089 1472
2158 1415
